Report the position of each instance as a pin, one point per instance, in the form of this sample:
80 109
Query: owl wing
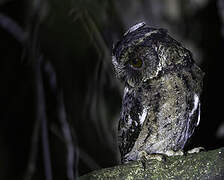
130 123
194 115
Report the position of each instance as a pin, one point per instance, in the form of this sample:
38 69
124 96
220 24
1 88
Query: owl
162 87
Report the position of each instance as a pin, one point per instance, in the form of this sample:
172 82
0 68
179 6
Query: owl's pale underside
161 101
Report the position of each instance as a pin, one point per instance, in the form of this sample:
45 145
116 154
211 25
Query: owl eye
136 63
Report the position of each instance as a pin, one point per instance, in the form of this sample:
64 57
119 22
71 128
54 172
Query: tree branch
203 165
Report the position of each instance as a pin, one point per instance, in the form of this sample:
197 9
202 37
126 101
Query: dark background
58 94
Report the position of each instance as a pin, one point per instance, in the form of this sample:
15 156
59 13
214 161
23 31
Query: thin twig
31 166
13 28
88 160
85 157
43 118
68 139
63 121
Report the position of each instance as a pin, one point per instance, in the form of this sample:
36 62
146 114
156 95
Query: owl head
144 52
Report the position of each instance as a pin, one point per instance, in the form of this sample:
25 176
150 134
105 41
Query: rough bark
203 165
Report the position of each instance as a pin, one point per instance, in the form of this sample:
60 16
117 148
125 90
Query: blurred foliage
76 37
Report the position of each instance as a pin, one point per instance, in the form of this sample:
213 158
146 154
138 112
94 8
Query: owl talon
144 157
174 153
196 150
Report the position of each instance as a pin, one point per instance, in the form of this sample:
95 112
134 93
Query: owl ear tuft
135 27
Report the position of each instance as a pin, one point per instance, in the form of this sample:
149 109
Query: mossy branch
203 165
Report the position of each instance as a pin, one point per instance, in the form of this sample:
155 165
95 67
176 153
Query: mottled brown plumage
161 101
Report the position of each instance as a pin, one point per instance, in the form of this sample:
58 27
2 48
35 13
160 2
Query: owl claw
144 157
174 153
196 150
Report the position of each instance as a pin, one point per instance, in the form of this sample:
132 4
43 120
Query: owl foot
144 157
196 150
174 153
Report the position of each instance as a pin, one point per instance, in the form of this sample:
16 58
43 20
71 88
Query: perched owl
161 101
